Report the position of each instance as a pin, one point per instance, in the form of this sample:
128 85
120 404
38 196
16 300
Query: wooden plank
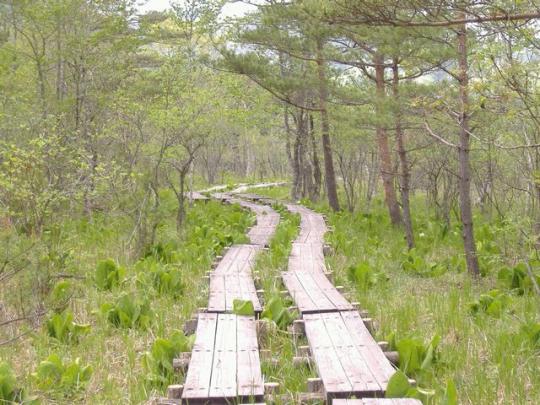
223 380
238 259
225 288
249 376
322 350
312 292
197 384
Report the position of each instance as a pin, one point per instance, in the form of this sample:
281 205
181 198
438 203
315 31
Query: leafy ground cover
481 338
113 326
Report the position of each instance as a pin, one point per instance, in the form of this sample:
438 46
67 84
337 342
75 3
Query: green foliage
158 362
450 394
400 387
364 277
414 263
276 311
414 354
108 274
517 278
62 328
241 307
8 385
493 303
61 293
164 278
531 331
53 374
129 311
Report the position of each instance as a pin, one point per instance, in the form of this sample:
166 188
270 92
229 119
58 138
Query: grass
115 354
488 357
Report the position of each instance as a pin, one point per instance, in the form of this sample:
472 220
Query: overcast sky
229 10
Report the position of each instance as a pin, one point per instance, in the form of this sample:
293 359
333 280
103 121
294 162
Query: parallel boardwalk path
225 364
348 359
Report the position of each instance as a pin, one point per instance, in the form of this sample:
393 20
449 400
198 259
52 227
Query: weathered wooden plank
195 195
238 259
197 384
378 363
223 380
348 359
249 377
327 362
307 257
312 292
225 288
312 225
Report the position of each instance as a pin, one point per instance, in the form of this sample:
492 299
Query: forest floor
125 327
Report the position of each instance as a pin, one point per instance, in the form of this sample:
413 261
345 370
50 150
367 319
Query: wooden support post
181 363
293 308
304 351
393 357
301 361
368 322
271 388
329 275
383 345
190 326
327 250
175 391
340 288
364 313
298 327
315 385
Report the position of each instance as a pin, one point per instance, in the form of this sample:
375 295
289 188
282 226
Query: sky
232 9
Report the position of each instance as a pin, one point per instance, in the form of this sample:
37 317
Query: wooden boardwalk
225 366
348 359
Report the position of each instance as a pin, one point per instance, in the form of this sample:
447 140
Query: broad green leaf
398 385
241 307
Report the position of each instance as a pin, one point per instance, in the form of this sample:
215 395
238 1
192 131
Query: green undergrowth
464 341
450 331
113 323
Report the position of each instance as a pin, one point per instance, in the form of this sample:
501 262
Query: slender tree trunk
329 172
387 171
464 155
317 174
403 160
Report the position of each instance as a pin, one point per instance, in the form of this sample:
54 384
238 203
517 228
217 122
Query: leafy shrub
493 303
163 252
129 311
415 264
62 328
414 354
108 274
158 362
164 278
517 278
400 387
363 276
277 312
61 293
8 385
55 375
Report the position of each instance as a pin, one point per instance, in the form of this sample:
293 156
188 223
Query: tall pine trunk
403 160
387 171
464 154
329 172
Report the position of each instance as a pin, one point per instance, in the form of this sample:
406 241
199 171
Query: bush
108 274
129 312
62 328
55 375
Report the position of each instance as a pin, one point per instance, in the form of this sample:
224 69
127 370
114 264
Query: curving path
225 365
